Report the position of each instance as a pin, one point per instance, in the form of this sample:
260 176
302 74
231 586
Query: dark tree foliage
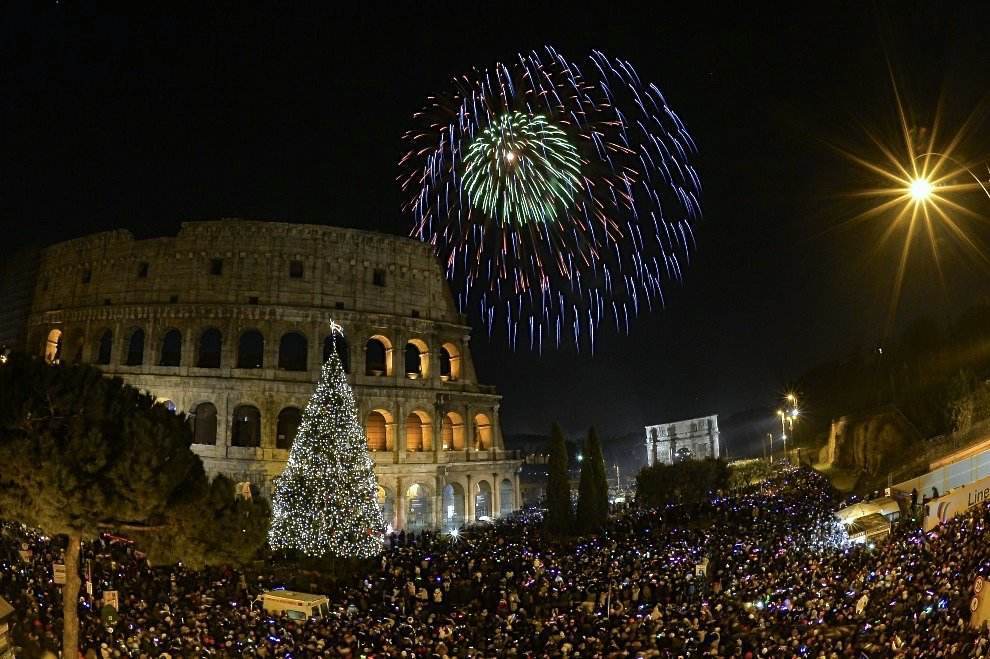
81 453
916 373
685 482
559 519
592 504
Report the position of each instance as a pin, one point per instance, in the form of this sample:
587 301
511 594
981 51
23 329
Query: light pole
783 429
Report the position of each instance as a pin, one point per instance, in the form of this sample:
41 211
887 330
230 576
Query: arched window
418 432
53 347
135 348
72 346
339 343
452 432
104 347
444 364
417 359
205 424
482 432
288 426
377 431
171 349
245 428
505 496
419 513
293 352
251 350
452 514
210 344
482 500
377 356
450 362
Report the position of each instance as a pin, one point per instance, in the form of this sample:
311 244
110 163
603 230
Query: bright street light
920 189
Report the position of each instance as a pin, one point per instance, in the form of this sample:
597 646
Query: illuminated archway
506 494
482 500
378 356
53 346
379 427
482 432
452 432
417 359
452 514
450 362
419 431
419 508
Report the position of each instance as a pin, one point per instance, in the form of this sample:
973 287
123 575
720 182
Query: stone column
440 514
469 502
469 440
399 432
189 340
497 440
516 491
400 504
496 502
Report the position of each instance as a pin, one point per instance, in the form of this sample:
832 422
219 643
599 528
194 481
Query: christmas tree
325 502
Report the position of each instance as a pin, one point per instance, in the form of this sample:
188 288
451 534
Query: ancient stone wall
229 322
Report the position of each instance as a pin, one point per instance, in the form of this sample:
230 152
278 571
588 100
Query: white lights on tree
325 502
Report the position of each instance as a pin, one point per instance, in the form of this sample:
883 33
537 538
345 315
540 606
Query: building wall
689 439
238 278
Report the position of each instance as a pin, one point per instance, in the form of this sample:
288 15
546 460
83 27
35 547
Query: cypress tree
558 519
592 507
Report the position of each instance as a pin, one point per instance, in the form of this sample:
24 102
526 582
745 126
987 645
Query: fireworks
557 194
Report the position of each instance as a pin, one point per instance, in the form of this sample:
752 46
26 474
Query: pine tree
325 502
592 505
559 518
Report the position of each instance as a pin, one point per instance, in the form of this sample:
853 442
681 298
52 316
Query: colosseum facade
229 323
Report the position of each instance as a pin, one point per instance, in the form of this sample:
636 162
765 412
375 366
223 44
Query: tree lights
325 502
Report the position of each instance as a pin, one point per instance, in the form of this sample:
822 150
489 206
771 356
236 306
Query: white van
295 605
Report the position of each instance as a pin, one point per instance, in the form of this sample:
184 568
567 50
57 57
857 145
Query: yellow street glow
920 189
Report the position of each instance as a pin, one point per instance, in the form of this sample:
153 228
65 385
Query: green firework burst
522 169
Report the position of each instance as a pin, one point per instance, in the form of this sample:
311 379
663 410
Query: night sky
144 121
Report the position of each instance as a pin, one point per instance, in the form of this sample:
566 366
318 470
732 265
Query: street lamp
920 189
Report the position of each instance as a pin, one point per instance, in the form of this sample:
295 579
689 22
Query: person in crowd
781 583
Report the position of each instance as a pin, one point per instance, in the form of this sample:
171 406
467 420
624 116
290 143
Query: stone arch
452 432
134 347
204 419
209 348
483 503
386 502
379 427
419 508
338 343
450 361
482 432
419 431
103 348
506 493
171 351
293 352
452 511
378 356
417 359
245 426
53 346
251 349
72 346
287 426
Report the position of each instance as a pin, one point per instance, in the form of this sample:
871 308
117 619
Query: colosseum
229 322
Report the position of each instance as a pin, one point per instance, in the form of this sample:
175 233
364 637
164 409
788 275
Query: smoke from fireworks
557 194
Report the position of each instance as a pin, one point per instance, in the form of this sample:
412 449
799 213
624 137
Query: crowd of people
763 572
